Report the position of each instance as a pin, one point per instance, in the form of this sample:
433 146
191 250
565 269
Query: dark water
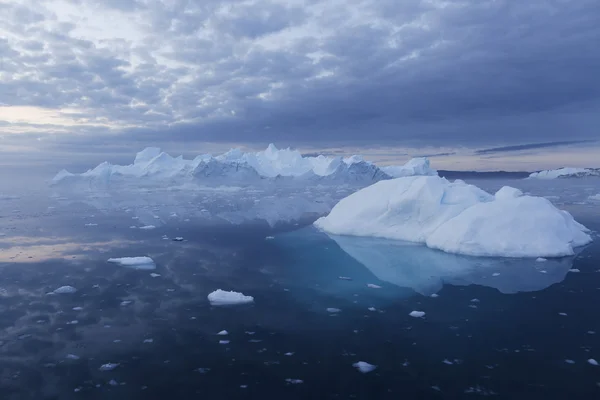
497 328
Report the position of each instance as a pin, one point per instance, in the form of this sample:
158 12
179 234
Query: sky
475 84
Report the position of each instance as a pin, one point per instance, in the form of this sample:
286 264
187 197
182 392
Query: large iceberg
565 173
236 166
457 218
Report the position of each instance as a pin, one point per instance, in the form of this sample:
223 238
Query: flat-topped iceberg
457 218
245 167
565 173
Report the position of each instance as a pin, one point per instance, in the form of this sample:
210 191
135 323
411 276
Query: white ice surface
65 290
457 218
141 263
224 298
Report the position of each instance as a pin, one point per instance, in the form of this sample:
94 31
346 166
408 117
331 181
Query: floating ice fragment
74 322
223 298
270 238
447 362
223 333
147 227
417 314
592 362
154 275
64 290
434 295
475 301
574 270
563 314
91 224
541 259
496 274
345 278
249 333
108 366
72 357
140 263
569 361
372 309
364 367
294 381
112 382
202 370
223 341
77 308
373 286
289 354
178 239
126 302
148 340
333 310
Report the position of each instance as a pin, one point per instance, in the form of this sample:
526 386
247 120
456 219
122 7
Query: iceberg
151 164
140 263
456 217
223 298
565 173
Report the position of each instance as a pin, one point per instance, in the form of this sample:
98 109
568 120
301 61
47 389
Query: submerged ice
456 217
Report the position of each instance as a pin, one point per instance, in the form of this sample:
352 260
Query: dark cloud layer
472 71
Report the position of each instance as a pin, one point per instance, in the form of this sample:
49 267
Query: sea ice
565 172
373 286
141 263
72 357
223 341
223 333
224 298
333 310
457 218
592 362
364 367
294 381
147 227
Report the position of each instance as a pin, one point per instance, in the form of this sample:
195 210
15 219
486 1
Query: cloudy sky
492 79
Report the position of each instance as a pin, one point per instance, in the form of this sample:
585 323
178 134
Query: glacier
456 217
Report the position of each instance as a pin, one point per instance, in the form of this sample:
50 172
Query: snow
140 263
456 217
65 290
223 298
364 367
565 172
417 314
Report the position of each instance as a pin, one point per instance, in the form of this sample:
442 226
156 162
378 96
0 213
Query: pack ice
456 217
567 172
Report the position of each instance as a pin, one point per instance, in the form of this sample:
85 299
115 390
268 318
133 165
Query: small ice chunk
475 301
574 270
133 227
223 341
77 308
294 381
417 314
373 286
223 333
202 370
112 382
364 367
270 238
108 366
447 362
569 361
91 224
372 309
333 310
249 333
148 340
64 290
178 239
540 259
74 322
72 357
223 298
592 362
496 274
243 386
289 354
563 314
154 275
143 263
435 295
126 302
147 227
345 278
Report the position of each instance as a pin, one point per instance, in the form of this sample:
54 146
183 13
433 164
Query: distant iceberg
565 173
236 166
457 218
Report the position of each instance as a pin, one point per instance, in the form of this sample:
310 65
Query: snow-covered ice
457 218
224 298
373 286
592 362
333 310
223 341
223 333
147 227
417 314
364 367
141 263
